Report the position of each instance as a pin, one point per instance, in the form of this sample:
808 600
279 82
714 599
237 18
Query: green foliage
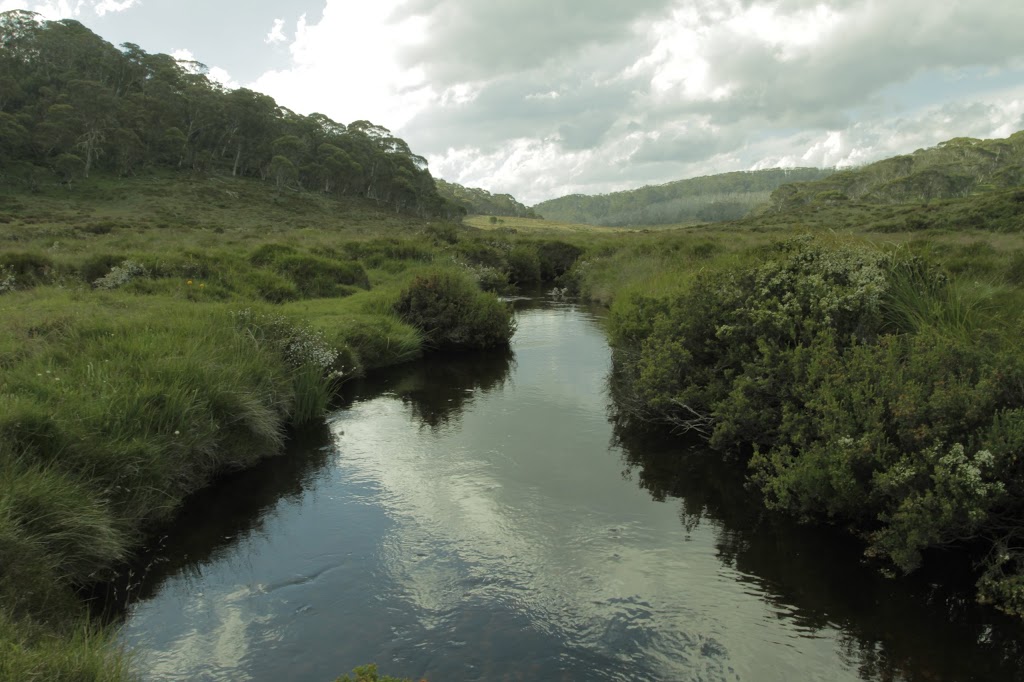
28 268
84 653
450 311
555 258
475 201
866 389
82 106
952 169
728 196
524 265
317 277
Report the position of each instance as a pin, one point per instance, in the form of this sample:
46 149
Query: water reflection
437 390
467 520
216 520
889 629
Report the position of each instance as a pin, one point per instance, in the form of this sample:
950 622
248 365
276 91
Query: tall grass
922 298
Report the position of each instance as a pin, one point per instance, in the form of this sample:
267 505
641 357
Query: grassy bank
156 336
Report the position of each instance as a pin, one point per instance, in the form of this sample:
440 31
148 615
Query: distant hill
954 169
478 201
713 198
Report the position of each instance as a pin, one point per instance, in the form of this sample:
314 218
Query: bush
556 258
96 266
451 311
867 390
523 266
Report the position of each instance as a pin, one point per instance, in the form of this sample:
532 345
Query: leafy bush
451 311
120 275
96 266
556 258
523 265
868 390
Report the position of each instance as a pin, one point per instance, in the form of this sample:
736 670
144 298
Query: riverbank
872 384
143 357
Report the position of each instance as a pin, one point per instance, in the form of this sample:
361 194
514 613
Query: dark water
482 519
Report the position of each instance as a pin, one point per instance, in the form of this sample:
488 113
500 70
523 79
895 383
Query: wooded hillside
71 104
713 198
952 169
478 201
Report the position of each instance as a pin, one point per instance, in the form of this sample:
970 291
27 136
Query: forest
715 198
72 104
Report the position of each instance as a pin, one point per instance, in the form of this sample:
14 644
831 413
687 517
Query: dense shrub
450 311
859 388
523 265
556 258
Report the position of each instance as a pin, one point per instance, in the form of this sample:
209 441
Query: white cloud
214 73
105 6
347 66
55 10
276 34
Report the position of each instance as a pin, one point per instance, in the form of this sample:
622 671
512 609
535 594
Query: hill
953 169
476 201
72 104
713 198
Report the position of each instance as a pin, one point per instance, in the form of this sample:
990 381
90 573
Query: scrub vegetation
870 382
187 272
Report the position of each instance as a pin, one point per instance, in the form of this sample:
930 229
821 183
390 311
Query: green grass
157 333
161 330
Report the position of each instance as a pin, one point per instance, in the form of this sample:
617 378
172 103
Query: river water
482 518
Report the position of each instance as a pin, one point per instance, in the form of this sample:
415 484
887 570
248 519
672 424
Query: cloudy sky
542 98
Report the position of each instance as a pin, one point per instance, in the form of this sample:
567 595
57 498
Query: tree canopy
713 198
952 169
72 103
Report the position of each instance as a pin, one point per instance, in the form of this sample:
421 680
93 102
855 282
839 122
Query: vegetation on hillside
714 198
952 169
72 104
476 201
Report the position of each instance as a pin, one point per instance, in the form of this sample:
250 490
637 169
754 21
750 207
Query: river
482 518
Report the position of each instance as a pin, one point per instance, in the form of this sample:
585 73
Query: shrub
267 254
556 258
120 275
523 265
272 287
96 266
451 311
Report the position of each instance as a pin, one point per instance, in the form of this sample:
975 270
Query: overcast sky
542 98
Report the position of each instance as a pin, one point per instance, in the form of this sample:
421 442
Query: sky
543 98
